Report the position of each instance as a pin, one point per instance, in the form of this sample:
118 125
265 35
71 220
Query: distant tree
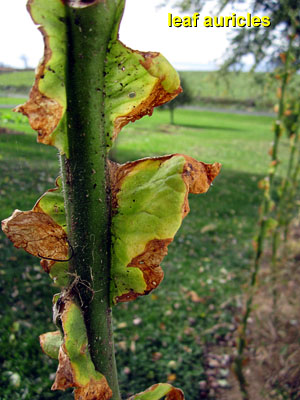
264 44
24 58
185 97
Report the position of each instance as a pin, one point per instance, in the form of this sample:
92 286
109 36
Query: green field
19 81
235 90
12 100
161 336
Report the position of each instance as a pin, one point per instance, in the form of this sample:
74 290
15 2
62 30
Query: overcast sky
144 27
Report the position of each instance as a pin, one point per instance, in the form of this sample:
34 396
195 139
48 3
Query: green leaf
160 391
50 343
76 368
52 203
150 199
58 271
135 82
76 344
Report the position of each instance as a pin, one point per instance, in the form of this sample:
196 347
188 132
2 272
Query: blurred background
241 96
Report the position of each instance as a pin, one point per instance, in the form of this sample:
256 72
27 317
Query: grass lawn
159 337
12 100
258 88
19 79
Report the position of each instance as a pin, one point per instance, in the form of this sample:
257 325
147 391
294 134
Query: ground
272 366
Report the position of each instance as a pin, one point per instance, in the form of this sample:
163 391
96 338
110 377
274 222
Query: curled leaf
58 271
136 82
76 368
149 200
160 391
50 343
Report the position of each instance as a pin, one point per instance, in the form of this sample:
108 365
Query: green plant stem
291 196
265 210
286 187
85 178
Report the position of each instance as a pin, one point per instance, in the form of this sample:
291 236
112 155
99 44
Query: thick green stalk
263 224
85 178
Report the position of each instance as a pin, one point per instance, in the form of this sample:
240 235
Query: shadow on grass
208 127
27 170
24 147
123 156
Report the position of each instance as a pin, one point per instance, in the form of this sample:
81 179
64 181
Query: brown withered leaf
64 375
66 378
198 177
37 234
175 394
43 113
94 391
195 297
